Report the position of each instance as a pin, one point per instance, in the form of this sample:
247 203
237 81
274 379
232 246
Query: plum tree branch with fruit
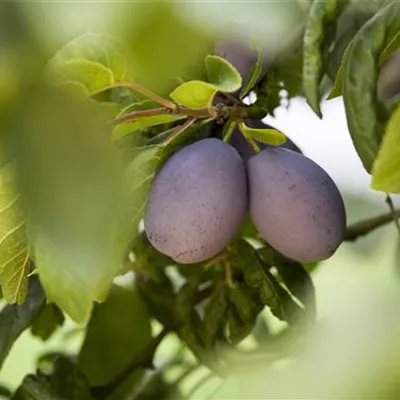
130 201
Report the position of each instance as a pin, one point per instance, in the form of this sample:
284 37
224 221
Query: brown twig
181 128
134 115
363 228
146 92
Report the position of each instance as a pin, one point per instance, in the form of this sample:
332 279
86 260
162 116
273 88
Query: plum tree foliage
133 152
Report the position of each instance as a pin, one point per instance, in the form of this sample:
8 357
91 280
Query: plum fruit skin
240 143
295 205
197 202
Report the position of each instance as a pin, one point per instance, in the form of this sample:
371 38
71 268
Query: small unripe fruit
197 202
295 205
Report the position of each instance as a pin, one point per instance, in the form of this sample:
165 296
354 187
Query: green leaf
254 74
14 254
271 137
351 21
247 305
49 319
72 200
94 76
299 283
118 331
65 382
318 36
144 122
256 277
386 168
365 116
215 310
138 177
92 61
15 319
194 94
222 75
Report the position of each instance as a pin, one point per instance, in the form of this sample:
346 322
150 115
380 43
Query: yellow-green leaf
222 75
94 76
14 255
194 94
271 137
386 168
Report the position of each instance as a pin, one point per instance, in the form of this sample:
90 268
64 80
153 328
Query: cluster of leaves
73 221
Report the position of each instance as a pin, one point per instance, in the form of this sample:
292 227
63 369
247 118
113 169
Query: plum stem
229 128
181 128
365 227
252 143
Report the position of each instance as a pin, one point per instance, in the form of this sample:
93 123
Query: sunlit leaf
14 254
386 168
94 76
222 75
267 136
194 94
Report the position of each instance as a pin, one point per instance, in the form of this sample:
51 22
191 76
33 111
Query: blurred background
354 350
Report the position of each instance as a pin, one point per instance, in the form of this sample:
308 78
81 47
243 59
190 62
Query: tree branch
363 228
134 115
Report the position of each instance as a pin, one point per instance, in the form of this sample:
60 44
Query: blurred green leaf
65 382
118 331
94 76
238 330
144 122
14 253
194 94
268 136
46 323
222 75
15 319
72 199
164 46
386 168
138 177
98 48
366 117
318 37
89 64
